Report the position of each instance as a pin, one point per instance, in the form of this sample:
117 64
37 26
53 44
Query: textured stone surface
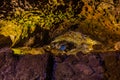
99 19
94 66
82 67
111 65
24 67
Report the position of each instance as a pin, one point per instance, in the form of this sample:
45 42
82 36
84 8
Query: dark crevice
100 59
50 68
16 59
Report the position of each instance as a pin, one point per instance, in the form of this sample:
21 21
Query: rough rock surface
94 66
36 23
24 67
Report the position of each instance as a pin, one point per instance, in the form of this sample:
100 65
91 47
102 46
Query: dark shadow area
50 68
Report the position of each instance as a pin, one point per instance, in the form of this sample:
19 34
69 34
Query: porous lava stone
94 66
22 67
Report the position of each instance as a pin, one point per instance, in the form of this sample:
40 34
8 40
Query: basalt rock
35 24
24 67
94 66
